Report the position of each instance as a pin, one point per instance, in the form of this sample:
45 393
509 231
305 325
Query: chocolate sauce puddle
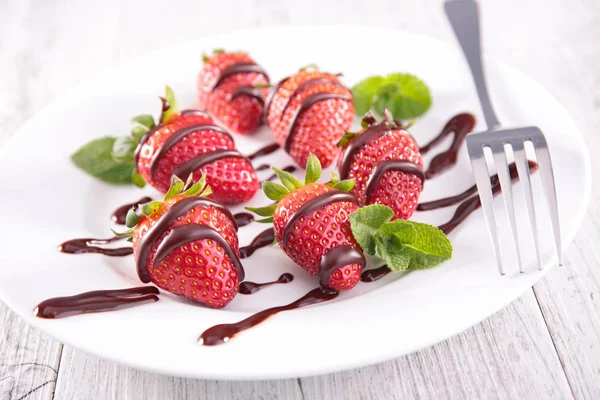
120 214
315 204
96 301
177 136
263 239
177 210
243 218
391 165
194 164
89 245
375 274
220 334
338 257
263 151
459 126
308 102
238 68
248 287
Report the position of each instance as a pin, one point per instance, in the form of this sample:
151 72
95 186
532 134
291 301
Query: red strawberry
309 113
385 162
227 90
191 143
312 226
188 245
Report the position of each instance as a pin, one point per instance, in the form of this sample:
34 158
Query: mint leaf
403 245
365 223
146 120
405 95
123 149
364 93
138 180
95 158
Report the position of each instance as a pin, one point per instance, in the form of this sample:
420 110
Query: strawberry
187 245
189 142
385 162
312 225
309 113
232 87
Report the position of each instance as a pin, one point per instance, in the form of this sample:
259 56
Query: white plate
46 200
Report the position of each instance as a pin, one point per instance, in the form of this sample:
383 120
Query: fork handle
464 18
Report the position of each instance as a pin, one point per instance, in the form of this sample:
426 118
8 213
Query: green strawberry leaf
197 188
405 95
274 191
132 218
172 103
348 136
313 169
176 187
138 180
288 180
345 186
267 220
364 92
95 158
403 245
149 208
267 211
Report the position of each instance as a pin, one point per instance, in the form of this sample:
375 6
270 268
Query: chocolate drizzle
96 301
120 214
184 234
460 126
315 204
195 112
220 334
308 83
89 245
308 102
248 287
239 68
263 167
176 137
250 91
177 210
272 94
375 274
391 165
243 218
263 151
263 239
338 257
189 167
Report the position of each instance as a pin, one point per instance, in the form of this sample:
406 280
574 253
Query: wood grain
520 352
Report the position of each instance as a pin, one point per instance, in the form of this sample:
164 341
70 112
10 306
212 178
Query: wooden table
544 345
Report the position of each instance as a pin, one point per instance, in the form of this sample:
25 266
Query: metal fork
464 18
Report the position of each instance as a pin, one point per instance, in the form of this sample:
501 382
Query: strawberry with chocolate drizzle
187 245
232 88
189 142
312 225
309 113
385 162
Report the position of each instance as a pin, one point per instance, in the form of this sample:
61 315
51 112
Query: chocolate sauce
315 204
181 208
460 126
243 218
248 287
184 234
391 165
220 334
89 245
176 137
375 274
289 168
338 257
250 91
310 82
263 167
374 131
189 167
239 68
195 112
96 301
263 239
308 102
272 94
263 151
120 214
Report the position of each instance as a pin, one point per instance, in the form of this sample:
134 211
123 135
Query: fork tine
482 179
547 174
507 194
523 170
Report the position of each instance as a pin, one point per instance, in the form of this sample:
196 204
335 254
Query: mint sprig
403 245
405 95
